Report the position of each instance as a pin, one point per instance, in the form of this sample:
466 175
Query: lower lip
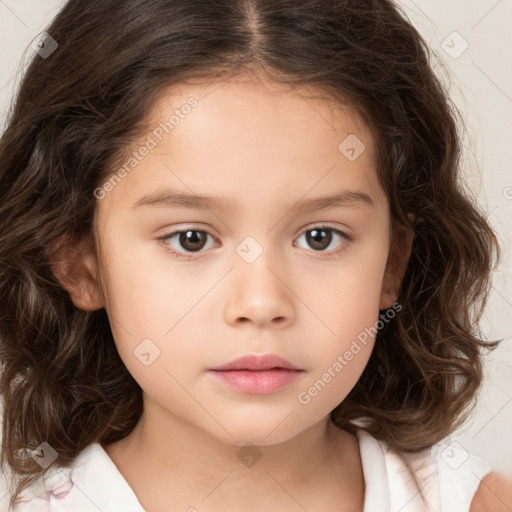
258 382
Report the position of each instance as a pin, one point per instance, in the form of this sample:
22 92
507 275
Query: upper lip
257 362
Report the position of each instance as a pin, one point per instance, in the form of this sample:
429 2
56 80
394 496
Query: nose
260 293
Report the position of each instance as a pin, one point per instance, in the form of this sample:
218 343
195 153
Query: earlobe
75 267
396 267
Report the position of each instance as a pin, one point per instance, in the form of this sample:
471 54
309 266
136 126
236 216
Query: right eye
192 240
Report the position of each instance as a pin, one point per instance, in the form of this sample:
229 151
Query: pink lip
255 362
259 375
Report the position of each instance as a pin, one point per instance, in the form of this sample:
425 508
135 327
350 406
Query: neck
319 461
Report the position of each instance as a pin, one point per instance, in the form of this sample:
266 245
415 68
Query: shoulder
81 487
494 494
55 485
449 476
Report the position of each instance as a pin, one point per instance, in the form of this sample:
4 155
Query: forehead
250 140
268 106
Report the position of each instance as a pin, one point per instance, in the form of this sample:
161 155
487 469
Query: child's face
259 283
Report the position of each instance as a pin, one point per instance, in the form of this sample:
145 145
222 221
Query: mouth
259 375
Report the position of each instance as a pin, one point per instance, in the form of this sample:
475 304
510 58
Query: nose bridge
260 291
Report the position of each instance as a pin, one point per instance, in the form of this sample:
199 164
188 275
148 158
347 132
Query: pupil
191 240
315 239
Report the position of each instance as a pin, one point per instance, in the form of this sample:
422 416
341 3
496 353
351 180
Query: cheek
347 305
147 292
347 296
153 311
340 355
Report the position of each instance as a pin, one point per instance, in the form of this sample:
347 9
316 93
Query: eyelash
163 239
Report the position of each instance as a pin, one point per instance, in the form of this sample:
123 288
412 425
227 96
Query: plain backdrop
473 40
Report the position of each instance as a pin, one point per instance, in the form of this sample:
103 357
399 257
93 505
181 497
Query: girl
237 267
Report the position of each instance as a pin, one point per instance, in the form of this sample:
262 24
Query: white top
448 474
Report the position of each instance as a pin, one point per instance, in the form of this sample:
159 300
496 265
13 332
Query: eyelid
331 225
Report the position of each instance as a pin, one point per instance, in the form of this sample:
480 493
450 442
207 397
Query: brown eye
188 240
184 243
320 238
192 239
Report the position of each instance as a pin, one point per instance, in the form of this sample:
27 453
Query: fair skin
494 494
264 148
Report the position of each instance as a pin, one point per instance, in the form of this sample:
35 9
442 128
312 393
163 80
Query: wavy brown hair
76 111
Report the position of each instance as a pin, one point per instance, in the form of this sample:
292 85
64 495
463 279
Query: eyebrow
174 199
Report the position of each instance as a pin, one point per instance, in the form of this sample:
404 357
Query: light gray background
480 81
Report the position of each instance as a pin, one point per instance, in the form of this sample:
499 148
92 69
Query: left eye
320 237
194 240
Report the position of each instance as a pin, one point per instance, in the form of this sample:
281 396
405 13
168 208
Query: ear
399 254
75 266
